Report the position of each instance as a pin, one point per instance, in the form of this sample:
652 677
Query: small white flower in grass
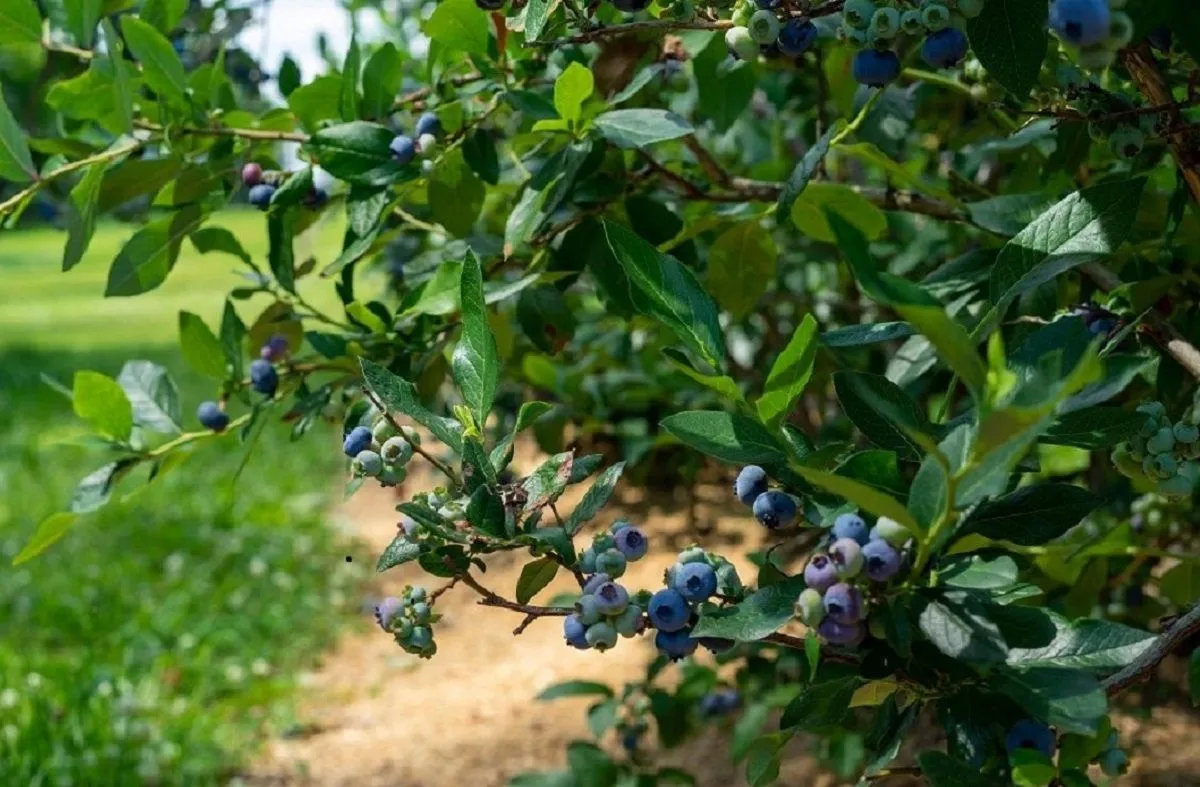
187 641
9 698
260 667
258 567
33 680
235 673
11 733
105 689
174 564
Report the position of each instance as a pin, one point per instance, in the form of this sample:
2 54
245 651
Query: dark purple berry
252 174
797 37
263 377
876 67
1029 734
820 573
944 48
211 416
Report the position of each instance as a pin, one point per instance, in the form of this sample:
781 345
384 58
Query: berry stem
1175 636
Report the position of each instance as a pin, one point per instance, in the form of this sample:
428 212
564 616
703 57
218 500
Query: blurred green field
161 639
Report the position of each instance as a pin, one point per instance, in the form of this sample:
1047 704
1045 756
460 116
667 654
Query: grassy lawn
161 638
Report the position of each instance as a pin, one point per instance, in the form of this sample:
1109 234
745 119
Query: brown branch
797 643
707 161
1144 71
1170 640
532 612
659 26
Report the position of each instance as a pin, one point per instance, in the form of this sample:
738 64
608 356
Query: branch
265 135
659 26
1144 70
1170 640
532 612
10 204
797 643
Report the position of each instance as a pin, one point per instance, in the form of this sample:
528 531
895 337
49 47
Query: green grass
160 640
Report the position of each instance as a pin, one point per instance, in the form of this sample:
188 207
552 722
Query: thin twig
260 134
12 202
659 26
433 460
532 612
1144 71
1170 640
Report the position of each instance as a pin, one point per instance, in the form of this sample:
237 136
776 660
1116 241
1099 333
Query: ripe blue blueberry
669 610
796 38
1081 22
675 644
820 573
594 582
851 526
944 48
403 149
275 348
260 195
774 509
588 608
720 702
751 482
358 439
601 636
611 598
876 67
843 604
611 562
835 633
574 632
631 542
847 557
316 198
263 377
695 581
428 123
882 560
387 611
211 416
1029 734
587 561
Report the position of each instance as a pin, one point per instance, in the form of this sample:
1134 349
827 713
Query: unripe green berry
367 463
421 612
382 430
936 17
601 636
911 22
892 531
1186 433
587 561
1162 442
885 24
1126 464
1165 466
857 14
393 475
692 555
588 608
611 562
810 608
741 44
1154 410
628 622
970 8
1120 31
741 16
1127 142
403 628
764 27
396 450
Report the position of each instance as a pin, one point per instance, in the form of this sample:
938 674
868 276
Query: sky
291 26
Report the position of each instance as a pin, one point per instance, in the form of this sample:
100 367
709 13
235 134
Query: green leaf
883 412
789 374
16 162
574 688
350 75
357 152
20 22
1009 38
726 436
942 770
595 498
1071 700
639 128
281 253
153 394
399 395
877 469
382 79
81 215
896 172
961 630
210 239
200 346
456 195
760 615
865 497
1080 228
721 383
545 484
316 102
48 532
861 335
1094 428
99 400
913 303
929 495
530 411
537 14
479 151
475 363
724 88
590 766
161 67
573 87
134 178
485 511
662 288
808 212
399 552
1086 644
821 706
163 14
1031 515
294 190
741 263
457 25
802 175
973 572
146 258
534 577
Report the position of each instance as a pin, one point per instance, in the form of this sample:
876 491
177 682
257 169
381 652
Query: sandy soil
376 717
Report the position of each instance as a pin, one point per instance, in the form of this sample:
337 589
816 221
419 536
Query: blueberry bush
910 278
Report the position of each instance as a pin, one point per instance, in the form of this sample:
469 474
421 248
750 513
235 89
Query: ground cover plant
912 278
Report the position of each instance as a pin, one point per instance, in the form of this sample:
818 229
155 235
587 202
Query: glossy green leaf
865 497
1087 644
99 400
534 577
639 128
942 770
210 239
808 212
1071 700
760 615
803 173
16 162
49 531
81 215
201 348
595 498
1009 38
20 22
146 259
862 335
397 553
789 374
726 436
573 87
883 412
456 195
545 484
351 66
1094 428
574 688
281 253
475 363
161 66
741 263
821 705
357 152
972 572
400 396
382 78
590 766
153 394
961 630
458 25
1031 515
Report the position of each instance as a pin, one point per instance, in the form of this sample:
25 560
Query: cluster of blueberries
691 581
264 379
264 183
380 451
772 508
410 619
832 603
1162 451
423 140
1097 27
606 610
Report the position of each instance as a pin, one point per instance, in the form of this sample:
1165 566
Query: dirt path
381 718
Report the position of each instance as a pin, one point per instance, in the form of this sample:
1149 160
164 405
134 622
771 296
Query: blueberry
1127 142
1081 22
911 22
851 526
847 557
252 174
403 149
720 702
763 27
858 13
1162 442
618 526
935 16
611 562
409 526
1029 734
885 24
574 631
668 610
611 598
588 608
843 604
383 430
692 555
421 637
820 573
945 48
841 634
594 582
890 531
396 450
587 561
751 481
387 611
211 416
970 8
367 463
601 636
631 739
417 593
422 612
882 560
260 196
796 38
428 123
1103 326
427 145
629 622
675 644
1186 433
263 377
810 607
876 67
275 348
774 509
741 45
316 198
631 542
1114 762
696 581
359 439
